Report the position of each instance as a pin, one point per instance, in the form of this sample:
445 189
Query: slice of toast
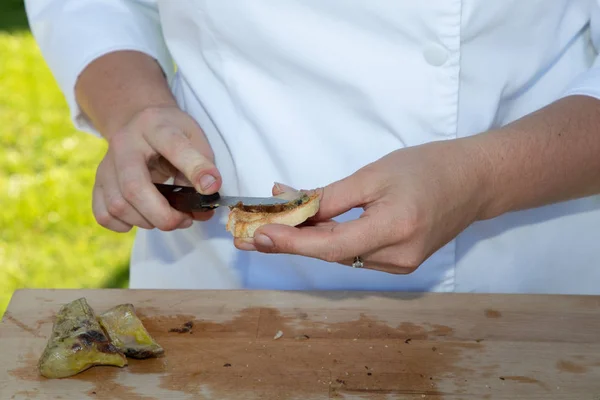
245 220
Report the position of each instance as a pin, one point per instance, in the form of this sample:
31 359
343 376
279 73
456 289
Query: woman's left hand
415 200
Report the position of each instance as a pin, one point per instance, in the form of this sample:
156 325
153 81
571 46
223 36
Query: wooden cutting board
346 345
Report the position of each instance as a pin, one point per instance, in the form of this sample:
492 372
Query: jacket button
435 54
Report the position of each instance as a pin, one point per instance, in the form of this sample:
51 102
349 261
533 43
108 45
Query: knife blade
187 199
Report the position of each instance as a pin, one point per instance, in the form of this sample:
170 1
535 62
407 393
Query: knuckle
200 168
144 225
123 228
108 221
131 189
103 218
173 144
178 143
336 250
168 222
411 222
150 116
370 190
117 206
333 254
281 245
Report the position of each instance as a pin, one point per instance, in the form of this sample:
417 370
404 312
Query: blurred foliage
48 236
12 15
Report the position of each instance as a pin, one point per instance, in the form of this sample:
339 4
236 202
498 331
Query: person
455 145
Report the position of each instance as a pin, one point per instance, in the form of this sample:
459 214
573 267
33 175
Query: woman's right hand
157 143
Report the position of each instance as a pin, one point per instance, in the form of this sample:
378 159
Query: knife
187 199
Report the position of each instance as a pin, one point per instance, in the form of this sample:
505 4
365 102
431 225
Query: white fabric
306 92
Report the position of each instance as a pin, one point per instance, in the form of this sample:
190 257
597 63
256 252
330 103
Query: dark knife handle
186 198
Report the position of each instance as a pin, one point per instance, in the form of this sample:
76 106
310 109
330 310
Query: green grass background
48 235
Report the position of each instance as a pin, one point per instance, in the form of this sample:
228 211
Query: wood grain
346 345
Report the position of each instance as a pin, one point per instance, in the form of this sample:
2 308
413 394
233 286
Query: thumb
189 153
207 176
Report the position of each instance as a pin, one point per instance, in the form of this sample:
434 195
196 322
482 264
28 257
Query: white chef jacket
307 92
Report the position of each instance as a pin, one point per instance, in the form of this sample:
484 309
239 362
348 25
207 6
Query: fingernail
284 188
206 181
263 240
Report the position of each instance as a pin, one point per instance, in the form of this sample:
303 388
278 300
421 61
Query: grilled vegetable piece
77 343
128 334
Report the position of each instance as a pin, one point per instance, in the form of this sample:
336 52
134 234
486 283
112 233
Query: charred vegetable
77 343
128 334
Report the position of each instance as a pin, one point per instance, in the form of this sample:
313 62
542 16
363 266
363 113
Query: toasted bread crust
244 221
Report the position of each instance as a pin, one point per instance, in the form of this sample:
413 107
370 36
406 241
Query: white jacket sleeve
72 33
588 83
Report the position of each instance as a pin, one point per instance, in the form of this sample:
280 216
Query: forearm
117 85
549 156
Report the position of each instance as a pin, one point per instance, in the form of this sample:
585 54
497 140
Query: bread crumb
278 335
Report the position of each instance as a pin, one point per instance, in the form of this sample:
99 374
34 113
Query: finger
161 170
382 267
203 215
246 244
334 243
137 188
394 259
181 180
340 196
197 216
402 257
115 203
187 157
331 203
103 217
